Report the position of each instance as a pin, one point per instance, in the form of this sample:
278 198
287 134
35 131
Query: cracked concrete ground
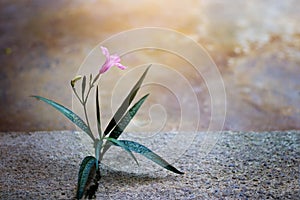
241 165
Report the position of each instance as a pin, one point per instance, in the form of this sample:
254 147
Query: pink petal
115 58
111 60
105 52
121 66
104 68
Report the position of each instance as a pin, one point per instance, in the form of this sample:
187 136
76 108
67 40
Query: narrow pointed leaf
126 103
117 143
118 130
98 113
69 114
83 86
86 167
90 81
141 149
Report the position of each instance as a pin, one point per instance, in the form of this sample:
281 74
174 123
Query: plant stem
86 117
84 100
84 105
74 90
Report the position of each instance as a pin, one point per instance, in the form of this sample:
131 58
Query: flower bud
76 78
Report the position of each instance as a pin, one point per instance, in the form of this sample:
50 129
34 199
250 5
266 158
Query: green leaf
90 81
116 142
86 167
118 130
83 86
126 103
69 114
141 149
98 113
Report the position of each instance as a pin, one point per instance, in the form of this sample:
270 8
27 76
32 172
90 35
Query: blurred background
255 44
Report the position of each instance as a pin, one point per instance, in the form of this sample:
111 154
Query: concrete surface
242 165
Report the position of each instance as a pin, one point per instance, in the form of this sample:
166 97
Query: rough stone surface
242 165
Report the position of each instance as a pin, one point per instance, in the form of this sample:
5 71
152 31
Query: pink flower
111 60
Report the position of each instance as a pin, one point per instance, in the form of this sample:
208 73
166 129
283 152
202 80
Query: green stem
86 117
74 90
84 100
87 95
84 105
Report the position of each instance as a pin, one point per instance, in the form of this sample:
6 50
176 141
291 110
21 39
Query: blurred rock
43 44
264 91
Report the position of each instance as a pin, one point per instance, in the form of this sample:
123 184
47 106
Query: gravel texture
242 165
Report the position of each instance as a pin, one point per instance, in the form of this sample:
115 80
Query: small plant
89 172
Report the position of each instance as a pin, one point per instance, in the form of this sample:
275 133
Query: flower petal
105 52
111 60
104 68
115 58
121 66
